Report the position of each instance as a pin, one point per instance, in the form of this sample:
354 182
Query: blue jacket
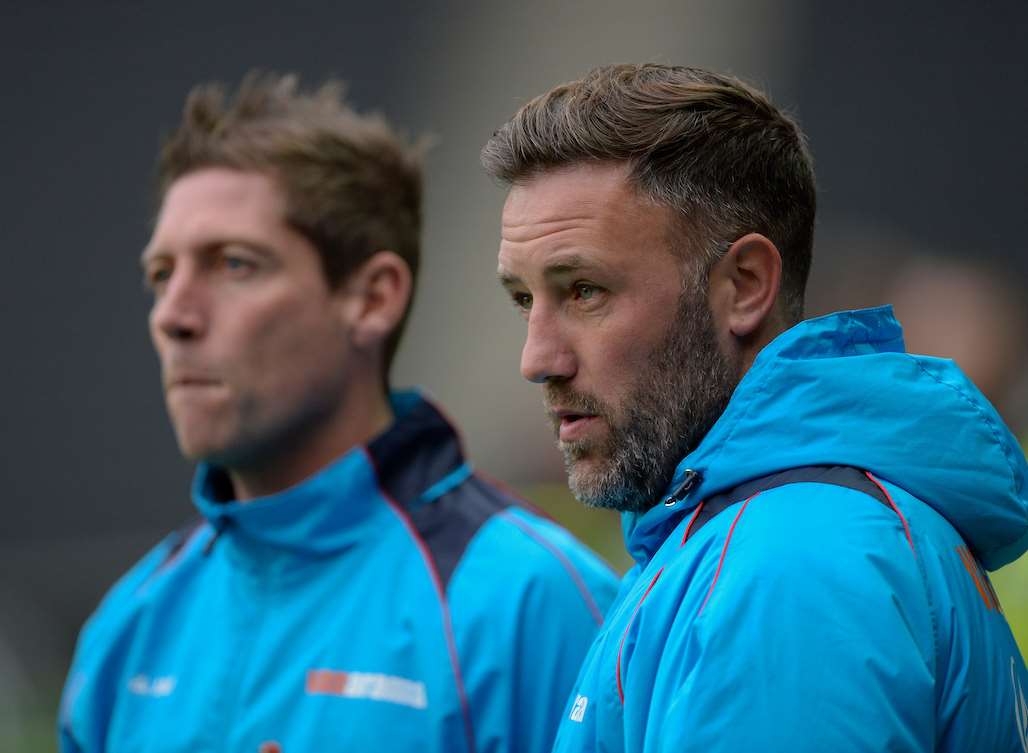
811 616
394 601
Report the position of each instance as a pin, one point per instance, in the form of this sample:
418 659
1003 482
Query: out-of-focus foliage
600 529
1011 584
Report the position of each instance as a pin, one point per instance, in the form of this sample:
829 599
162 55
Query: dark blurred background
916 115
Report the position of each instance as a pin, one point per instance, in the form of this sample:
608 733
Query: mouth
192 382
573 425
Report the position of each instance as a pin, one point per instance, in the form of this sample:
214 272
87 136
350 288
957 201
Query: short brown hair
352 185
710 147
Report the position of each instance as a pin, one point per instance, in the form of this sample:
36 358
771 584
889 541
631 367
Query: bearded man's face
620 336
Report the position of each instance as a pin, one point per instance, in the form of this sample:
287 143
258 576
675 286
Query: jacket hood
841 390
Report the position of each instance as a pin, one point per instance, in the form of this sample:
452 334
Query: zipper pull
688 482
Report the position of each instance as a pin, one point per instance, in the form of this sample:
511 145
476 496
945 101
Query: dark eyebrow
507 279
148 255
564 265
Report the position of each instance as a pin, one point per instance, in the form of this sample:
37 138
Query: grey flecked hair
709 146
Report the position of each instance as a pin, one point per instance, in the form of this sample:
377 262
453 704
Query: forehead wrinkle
533 229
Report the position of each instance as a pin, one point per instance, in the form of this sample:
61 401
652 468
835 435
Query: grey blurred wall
465 339
915 115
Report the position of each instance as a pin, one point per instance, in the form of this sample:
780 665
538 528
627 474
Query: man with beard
811 509
349 584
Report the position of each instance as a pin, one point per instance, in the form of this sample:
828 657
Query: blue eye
154 278
238 266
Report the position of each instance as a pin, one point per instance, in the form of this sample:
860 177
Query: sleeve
525 634
65 742
94 677
816 636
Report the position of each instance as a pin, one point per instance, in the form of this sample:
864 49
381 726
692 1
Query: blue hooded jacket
394 601
812 617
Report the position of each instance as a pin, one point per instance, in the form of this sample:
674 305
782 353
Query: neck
363 415
749 348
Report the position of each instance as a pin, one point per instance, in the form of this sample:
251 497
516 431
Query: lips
191 381
177 380
571 415
573 424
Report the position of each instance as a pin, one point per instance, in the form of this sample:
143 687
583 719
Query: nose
179 310
547 354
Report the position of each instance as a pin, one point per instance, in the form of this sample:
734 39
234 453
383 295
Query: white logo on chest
578 710
157 687
370 685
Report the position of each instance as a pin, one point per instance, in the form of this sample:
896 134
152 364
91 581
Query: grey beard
670 408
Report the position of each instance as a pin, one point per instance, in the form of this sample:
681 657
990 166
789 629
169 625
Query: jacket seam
935 625
929 603
997 439
920 565
566 565
449 637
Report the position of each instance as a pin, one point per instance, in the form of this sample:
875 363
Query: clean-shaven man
352 584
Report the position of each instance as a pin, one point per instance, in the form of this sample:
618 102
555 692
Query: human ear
375 298
745 284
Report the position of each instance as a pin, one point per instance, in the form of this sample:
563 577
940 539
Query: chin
202 449
586 476
198 453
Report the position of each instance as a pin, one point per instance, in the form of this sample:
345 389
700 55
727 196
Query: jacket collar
346 501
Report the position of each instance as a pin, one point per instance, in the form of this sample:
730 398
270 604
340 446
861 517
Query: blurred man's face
619 331
253 351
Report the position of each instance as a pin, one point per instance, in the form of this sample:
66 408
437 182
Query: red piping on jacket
906 528
724 551
451 643
621 692
565 563
688 527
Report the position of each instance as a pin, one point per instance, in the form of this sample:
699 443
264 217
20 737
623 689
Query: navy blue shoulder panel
421 466
448 524
415 453
836 475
